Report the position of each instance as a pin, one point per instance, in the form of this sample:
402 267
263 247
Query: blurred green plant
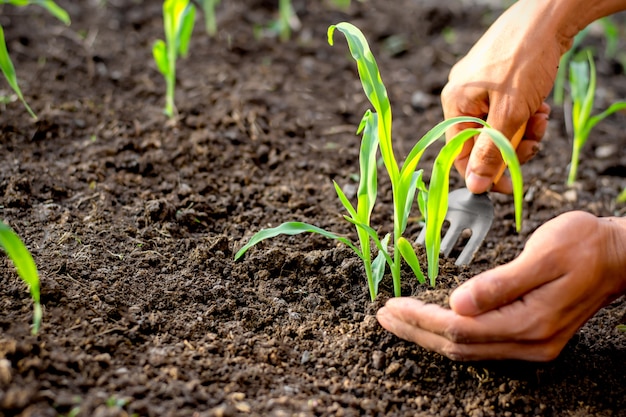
26 268
621 198
178 21
210 22
6 65
611 34
342 4
558 91
582 81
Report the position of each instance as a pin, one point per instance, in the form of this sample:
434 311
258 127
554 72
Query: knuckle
454 351
540 327
455 333
487 153
549 352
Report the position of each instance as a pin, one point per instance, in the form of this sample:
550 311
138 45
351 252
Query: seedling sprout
6 65
26 268
583 89
210 23
178 22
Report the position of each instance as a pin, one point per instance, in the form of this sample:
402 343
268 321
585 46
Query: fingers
504 284
482 162
466 338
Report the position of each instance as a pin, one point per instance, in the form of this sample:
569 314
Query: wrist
568 17
616 251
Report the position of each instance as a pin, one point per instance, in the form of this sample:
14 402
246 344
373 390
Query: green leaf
378 265
587 104
186 29
293 228
55 10
409 197
613 108
16 2
345 201
374 236
210 22
579 85
373 86
408 253
6 65
159 52
25 265
368 179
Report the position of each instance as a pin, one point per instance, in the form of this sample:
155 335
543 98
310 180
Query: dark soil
133 221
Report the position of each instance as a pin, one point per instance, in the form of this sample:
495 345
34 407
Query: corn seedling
406 181
6 65
26 268
558 93
611 34
178 22
210 22
583 89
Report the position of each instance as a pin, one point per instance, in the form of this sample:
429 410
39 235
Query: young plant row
178 23
578 67
6 65
406 181
25 265
582 81
9 241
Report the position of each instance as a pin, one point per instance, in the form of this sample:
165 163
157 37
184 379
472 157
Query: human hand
529 308
504 79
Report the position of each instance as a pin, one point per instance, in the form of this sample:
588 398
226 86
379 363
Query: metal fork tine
450 238
465 211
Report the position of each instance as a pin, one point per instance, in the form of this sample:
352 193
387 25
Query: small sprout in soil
611 33
210 22
6 65
178 21
285 16
558 94
583 89
282 26
406 181
621 198
26 268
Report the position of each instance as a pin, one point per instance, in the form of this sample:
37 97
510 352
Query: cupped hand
504 79
529 308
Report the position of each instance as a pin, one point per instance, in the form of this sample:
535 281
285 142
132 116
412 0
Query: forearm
568 17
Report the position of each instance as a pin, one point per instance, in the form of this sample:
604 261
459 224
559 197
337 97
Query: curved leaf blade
293 228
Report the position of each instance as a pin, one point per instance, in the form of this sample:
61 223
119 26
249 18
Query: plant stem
573 168
170 79
396 268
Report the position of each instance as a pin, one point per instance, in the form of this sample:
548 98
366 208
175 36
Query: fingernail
535 150
384 317
477 183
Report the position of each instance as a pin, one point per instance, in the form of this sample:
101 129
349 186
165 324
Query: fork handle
515 140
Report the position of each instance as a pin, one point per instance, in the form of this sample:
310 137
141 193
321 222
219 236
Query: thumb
498 287
485 161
